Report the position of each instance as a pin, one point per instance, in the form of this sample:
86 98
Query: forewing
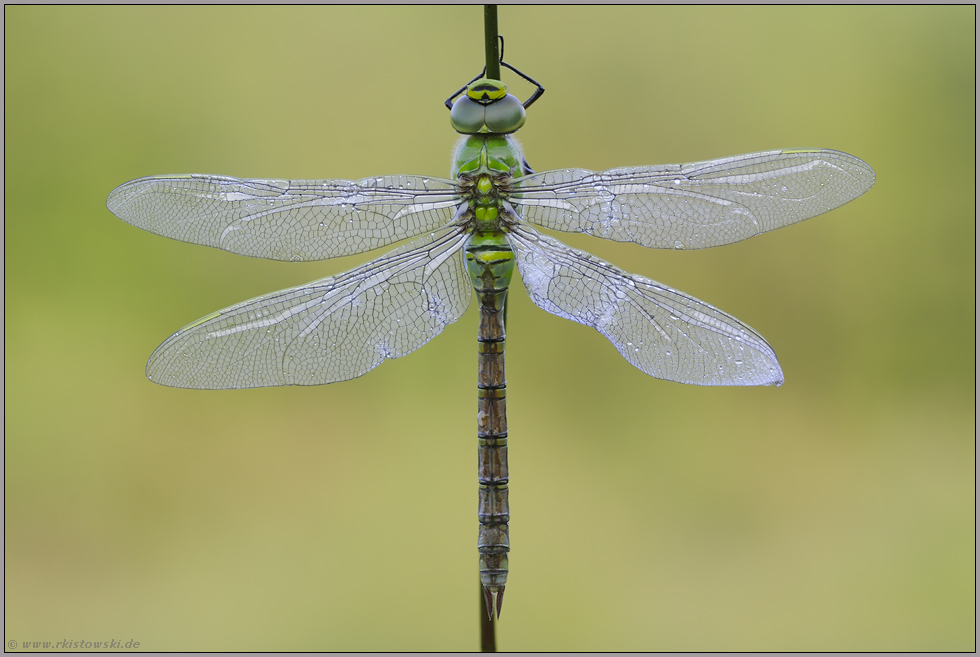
661 331
330 330
698 205
286 219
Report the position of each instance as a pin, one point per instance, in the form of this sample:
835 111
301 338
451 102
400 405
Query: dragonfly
470 230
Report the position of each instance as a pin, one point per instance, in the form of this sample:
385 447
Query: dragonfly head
486 107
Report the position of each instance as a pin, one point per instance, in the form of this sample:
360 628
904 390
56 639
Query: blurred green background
833 513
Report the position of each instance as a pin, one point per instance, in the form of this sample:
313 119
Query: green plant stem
491 41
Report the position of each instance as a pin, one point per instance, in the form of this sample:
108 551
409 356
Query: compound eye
467 116
505 115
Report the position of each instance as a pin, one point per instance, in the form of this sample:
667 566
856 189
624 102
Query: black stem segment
488 626
491 41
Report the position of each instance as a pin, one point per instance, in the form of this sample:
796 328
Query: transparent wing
330 330
286 219
694 206
661 331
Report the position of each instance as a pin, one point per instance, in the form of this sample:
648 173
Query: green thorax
484 167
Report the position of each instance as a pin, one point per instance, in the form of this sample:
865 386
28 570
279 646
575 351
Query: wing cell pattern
331 330
291 220
694 206
661 331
